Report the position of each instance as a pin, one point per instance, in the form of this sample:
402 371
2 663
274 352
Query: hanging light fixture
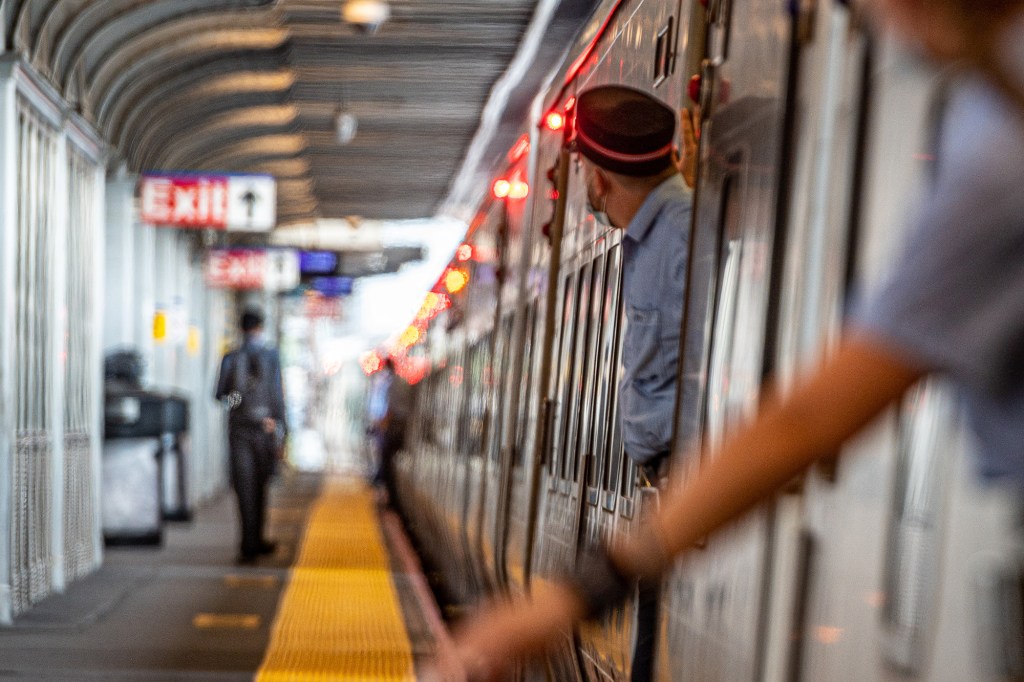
345 122
366 16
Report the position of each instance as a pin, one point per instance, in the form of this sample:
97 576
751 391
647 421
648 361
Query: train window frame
479 364
524 423
665 47
500 377
713 343
569 295
611 366
571 463
591 385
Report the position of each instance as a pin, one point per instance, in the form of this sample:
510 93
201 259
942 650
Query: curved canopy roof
257 85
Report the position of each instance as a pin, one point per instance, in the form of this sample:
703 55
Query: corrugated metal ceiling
256 85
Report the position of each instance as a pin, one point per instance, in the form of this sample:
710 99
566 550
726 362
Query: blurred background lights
501 188
455 280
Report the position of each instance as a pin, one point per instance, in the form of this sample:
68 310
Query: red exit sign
218 202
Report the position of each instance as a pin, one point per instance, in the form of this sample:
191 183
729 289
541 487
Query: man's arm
223 378
789 433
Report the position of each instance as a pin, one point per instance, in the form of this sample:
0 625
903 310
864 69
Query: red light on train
554 121
501 188
519 149
518 190
570 104
464 253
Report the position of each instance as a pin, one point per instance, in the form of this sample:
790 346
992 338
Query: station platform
342 598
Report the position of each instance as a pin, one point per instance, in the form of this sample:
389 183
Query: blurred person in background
395 400
250 384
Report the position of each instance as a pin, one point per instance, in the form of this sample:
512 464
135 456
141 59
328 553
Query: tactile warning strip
339 617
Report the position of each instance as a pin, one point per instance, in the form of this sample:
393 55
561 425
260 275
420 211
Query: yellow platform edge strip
339 617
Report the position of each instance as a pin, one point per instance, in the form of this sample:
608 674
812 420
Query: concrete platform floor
184 610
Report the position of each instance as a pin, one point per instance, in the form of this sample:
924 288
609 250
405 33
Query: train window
719 371
627 472
526 396
608 371
591 383
563 368
574 398
717 407
664 52
478 412
500 378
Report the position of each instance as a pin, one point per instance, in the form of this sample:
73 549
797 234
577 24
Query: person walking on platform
625 140
250 383
390 427
954 305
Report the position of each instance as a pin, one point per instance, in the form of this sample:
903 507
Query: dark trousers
390 444
252 465
646 632
648 594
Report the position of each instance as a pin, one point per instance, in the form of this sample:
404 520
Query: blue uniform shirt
654 278
954 303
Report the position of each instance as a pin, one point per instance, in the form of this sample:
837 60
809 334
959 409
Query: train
890 562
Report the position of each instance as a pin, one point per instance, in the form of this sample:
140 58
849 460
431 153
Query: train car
891 563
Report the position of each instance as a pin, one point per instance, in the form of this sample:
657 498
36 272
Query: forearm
788 434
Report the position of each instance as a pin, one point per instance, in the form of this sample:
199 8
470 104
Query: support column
57 257
8 251
121 302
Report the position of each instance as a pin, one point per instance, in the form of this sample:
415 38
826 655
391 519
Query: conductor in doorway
250 384
626 140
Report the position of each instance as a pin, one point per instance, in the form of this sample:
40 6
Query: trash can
132 511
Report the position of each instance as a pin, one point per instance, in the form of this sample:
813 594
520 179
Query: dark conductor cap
625 130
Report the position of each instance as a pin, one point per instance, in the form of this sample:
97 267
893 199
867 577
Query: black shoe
266 548
245 559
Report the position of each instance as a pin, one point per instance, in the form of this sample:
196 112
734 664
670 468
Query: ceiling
256 85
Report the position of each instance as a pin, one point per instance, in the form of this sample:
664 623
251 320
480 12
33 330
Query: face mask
600 216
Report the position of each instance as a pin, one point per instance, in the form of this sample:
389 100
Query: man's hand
269 424
687 158
488 643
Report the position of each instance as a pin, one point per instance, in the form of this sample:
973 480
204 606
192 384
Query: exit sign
244 203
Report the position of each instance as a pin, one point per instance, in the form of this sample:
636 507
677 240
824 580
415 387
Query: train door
562 498
530 463
827 171
458 473
715 603
510 360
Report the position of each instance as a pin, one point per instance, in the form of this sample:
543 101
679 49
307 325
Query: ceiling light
366 15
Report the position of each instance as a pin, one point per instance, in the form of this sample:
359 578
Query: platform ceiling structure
255 86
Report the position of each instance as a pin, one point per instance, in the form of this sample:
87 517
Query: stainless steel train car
889 563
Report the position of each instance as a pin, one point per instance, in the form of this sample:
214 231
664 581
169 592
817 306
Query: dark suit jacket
270 371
